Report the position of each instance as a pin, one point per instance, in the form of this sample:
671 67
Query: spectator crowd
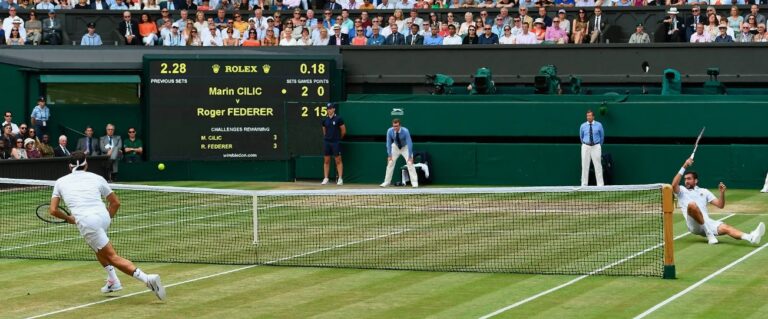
22 141
380 22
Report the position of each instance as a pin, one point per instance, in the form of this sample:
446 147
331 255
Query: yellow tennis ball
161 166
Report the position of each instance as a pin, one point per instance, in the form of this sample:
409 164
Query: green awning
90 78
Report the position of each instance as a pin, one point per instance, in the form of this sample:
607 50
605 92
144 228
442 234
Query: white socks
747 237
111 275
140 275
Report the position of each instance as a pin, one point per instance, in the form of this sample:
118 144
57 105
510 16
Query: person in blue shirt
399 143
91 38
723 37
433 38
488 37
376 38
40 116
591 134
333 132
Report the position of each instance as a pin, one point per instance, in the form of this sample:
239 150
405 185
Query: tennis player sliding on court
83 192
693 202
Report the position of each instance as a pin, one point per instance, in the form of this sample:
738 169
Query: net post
668 207
255 220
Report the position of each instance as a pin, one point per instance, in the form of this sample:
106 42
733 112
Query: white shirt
83 193
507 39
14 127
452 40
700 196
529 38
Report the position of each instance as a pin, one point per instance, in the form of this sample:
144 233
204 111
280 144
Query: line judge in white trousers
399 143
591 135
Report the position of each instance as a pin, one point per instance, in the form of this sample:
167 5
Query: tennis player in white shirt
693 202
83 192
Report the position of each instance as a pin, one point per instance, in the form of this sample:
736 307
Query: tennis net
616 230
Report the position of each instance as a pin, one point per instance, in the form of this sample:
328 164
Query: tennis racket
43 213
695 146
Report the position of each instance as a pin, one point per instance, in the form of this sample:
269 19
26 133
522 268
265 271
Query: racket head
43 213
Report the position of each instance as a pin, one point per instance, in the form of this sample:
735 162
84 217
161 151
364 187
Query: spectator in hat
639 36
723 37
18 24
539 30
91 38
30 146
673 26
565 24
174 38
41 114
338 37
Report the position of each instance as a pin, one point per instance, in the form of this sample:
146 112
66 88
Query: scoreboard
229 108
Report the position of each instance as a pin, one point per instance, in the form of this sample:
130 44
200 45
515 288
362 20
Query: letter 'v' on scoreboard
236 107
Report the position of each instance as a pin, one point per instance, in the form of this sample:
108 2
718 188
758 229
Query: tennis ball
161 166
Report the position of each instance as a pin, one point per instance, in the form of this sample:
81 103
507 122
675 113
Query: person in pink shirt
555 33
700 36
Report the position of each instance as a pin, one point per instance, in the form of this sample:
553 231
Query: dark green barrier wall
635 116
557 164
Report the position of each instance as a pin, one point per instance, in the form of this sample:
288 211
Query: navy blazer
344 39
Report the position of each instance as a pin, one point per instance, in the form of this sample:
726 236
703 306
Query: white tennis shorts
697 229
93 228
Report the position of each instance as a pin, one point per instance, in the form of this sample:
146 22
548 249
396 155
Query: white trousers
595 154
396 152
765 187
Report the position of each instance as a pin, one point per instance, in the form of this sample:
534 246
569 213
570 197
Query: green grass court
34 287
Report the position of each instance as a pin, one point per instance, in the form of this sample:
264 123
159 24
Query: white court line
220 274
580 278
132 229
699 283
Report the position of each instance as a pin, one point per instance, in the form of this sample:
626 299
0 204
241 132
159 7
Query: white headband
78 165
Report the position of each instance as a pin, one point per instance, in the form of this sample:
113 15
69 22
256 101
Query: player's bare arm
55 212
720 201
679 175
114 204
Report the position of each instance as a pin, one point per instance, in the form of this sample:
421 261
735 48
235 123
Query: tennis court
33 287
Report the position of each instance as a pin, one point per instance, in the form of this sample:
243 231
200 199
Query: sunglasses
131 131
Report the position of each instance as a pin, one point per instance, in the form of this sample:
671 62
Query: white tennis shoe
764 190
340 182
154 284
384 185
111 287
325 181
757 234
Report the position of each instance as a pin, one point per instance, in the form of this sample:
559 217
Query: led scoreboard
206 108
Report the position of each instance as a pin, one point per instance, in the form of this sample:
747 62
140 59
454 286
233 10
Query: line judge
399 143
591 134
333 131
